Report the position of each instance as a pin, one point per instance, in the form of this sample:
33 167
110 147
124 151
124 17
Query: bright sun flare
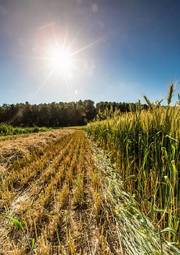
60 61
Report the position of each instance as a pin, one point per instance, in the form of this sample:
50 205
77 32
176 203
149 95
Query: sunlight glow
63 61
60 60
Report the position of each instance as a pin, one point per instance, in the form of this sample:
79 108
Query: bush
6 129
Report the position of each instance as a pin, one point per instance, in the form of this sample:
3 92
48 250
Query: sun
60 60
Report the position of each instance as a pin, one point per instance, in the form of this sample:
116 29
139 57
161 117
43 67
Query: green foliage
18 224
105 110
48 115
33 243
6 129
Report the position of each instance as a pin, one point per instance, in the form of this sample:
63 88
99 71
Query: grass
145 145
6 130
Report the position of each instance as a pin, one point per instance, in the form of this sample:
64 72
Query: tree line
60 114
106 110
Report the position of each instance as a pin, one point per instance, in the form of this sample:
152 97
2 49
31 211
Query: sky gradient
128 49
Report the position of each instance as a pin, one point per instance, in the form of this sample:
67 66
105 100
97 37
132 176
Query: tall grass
146 144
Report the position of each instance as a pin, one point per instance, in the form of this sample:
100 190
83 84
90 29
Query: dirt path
64 202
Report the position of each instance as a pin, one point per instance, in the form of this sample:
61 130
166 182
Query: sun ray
43 85
87 46
60 59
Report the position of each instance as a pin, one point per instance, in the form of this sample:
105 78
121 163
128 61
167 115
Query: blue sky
134 49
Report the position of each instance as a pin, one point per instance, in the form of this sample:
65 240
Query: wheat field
146 145
69 199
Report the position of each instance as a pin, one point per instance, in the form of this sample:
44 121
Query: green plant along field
68 199
10 130
146 146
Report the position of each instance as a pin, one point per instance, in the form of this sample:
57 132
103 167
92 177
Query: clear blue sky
134 49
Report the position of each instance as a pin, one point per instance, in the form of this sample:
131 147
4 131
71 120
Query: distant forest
61 114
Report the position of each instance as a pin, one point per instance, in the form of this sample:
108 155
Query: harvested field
16 147
69 200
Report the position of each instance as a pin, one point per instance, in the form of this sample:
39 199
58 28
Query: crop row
56 206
